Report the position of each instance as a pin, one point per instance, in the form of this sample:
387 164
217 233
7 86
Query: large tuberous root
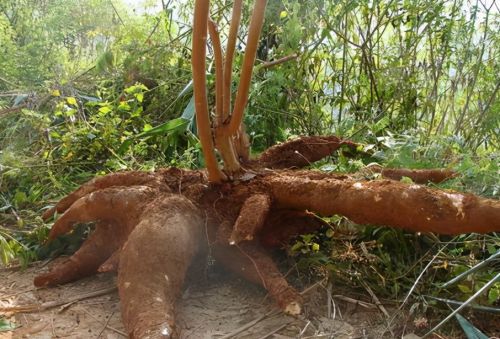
95 250
153 264
251 262
252 217
124 179
117 210
387 203
301 152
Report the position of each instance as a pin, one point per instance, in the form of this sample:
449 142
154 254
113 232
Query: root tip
294 308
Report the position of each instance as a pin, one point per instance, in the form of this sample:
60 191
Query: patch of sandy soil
219 307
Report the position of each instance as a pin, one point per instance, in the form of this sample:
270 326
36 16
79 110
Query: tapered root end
294 308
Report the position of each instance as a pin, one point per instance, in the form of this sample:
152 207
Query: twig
250 324
275 330
422 273
269 64
12 109
56 303
329 300
3 297
376 300
108 327
304 329
313 286
105 324
116 12
354 301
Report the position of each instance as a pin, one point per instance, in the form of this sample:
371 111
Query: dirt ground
219 307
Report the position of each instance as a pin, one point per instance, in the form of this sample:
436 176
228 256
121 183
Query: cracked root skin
149 225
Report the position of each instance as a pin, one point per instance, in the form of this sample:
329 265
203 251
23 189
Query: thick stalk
223 143
228 63
246 71
199 51
219 71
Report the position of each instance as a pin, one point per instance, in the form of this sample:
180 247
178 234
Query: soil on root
208 308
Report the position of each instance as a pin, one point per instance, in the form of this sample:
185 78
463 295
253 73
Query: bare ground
221 306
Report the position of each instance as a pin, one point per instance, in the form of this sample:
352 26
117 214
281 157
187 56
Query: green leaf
464 289
330 233
104 109
71 101
20 198
6 325
173 126
189 111
494 294
6 251
471 332
406 180
139 96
